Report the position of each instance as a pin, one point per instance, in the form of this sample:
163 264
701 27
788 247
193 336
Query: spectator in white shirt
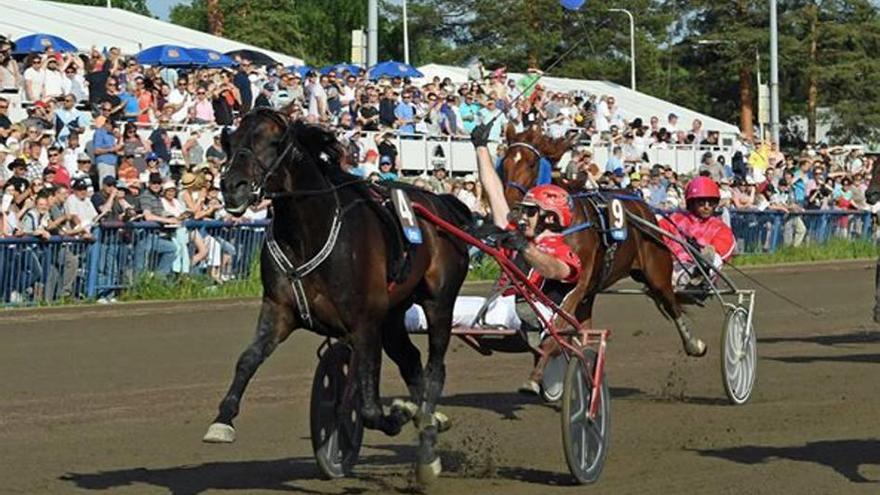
33 79
80 205
53 79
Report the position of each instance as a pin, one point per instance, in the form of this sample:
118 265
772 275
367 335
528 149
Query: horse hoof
696 348
427 473
443 422
406 408
219 433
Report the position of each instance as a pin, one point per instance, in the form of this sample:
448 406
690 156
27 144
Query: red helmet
553 199
702 187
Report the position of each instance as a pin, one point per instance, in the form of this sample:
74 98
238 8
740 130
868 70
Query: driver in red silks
712 237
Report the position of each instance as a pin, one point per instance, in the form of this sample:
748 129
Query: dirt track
116 400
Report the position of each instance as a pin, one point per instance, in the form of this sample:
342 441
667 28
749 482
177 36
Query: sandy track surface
115 400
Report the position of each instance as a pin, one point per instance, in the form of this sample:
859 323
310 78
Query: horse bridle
267 172
516 185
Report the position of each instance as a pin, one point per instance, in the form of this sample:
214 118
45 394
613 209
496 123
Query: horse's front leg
275 323
367 364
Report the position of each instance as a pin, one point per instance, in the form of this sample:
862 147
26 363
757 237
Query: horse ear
510 133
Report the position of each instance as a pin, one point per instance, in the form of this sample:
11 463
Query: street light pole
774 74
372 32
405 36
632 46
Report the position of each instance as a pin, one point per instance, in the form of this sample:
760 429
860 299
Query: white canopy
101 27
632 103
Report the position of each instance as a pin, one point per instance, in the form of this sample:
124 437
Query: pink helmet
551 198
702 187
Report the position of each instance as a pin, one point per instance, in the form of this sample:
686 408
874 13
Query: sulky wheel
337 429
584 440
553 378
739 355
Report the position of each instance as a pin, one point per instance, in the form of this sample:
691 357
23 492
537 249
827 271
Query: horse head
529 160
259 150
256 149
872 194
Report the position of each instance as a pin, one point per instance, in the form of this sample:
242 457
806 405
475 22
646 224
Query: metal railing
35 271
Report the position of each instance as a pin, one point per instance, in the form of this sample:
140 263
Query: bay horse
872 195
319 208
642 256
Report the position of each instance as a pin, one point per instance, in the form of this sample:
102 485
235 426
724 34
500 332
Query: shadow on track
843 456
507 404
852 338
849 358
276 475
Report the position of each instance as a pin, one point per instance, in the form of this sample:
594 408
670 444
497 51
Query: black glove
488 233
515 240
480 135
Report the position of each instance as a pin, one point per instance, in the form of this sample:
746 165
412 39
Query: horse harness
297 273
400 256
545 168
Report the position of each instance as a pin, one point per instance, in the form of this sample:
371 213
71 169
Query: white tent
632 103
101 27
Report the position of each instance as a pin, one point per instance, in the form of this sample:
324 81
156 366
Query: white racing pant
502 312
683 271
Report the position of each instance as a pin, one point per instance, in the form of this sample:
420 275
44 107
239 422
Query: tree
271 24
139 6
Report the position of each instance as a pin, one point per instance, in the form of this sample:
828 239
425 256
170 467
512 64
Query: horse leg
367 363
438 312
275 324
399 347
660 288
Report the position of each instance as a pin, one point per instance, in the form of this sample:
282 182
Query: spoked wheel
585 440
739 355
337 429
552 381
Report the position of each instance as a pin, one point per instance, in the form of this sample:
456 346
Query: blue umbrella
166 55
38 43
572 4
210 58
393 69
301 70
340 68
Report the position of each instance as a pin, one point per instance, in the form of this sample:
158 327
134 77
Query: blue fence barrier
34 271
767 231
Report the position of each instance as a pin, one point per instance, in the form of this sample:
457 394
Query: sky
161 8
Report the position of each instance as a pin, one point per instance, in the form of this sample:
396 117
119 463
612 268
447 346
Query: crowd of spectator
132 168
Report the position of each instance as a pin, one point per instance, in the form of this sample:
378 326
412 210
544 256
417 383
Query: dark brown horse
641 256
319 210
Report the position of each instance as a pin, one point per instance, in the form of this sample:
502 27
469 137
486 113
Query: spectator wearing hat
80 205
470 195
106 148
40 116
83 171
264 99
439 179
22 190
175 208
386 169
109 202
155 243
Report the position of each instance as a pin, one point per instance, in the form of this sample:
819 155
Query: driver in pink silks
698 225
